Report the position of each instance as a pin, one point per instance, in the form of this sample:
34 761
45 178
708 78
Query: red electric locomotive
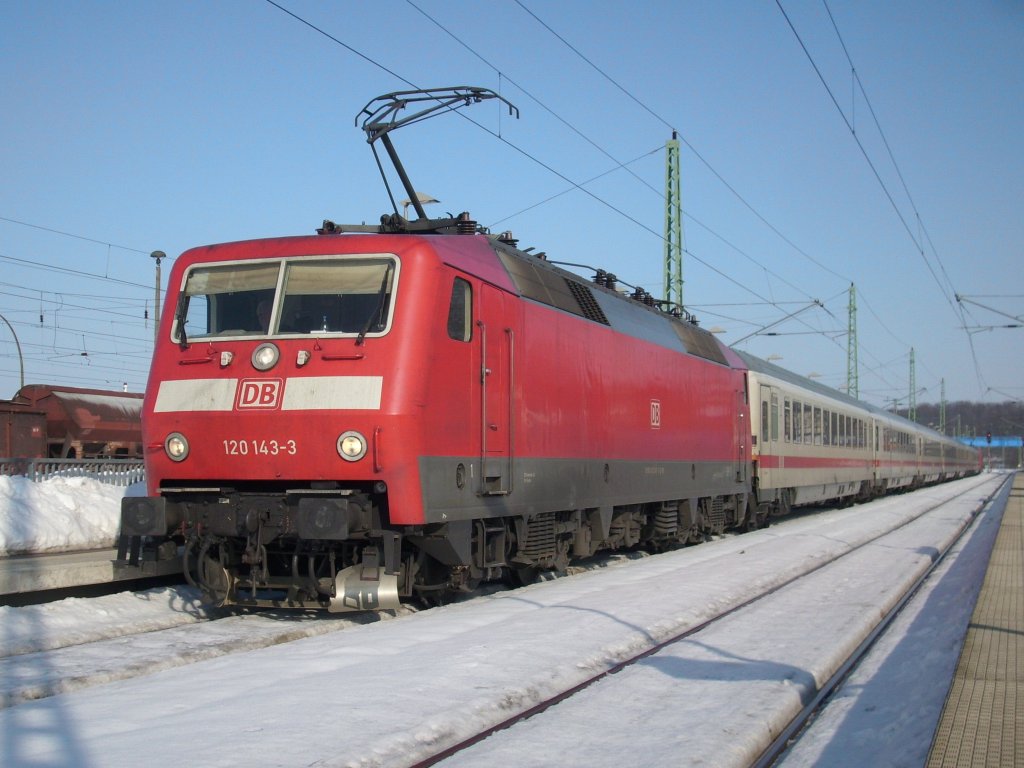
345 418
342 419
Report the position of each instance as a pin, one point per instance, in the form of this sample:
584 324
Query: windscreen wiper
378 311
179 316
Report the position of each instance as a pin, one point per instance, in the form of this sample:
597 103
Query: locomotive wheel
430 581
214 580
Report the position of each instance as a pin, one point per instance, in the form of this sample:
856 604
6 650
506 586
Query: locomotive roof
539 279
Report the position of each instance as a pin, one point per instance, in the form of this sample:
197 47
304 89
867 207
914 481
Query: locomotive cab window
225 300
460 311
336 295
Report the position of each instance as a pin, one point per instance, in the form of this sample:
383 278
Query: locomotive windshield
335 295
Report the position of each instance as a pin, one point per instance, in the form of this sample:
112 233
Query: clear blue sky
132 127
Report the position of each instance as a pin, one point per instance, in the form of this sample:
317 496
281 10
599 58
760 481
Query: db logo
655 414
259 393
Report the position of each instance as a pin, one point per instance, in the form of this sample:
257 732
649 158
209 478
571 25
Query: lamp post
156 297
21 360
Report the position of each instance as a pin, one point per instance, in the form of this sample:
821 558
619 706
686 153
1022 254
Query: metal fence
110 471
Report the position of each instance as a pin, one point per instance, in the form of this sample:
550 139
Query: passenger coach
813 444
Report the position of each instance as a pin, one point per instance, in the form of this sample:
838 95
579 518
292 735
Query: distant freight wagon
47 421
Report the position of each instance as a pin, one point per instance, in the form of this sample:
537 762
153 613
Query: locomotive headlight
351 446
265 356
176 447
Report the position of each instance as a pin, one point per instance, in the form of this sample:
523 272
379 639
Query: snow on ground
137 634
781 648
76 620
62 514
388 693
888 709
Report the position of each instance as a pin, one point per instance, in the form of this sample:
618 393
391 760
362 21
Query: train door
743 432
497 356
770 455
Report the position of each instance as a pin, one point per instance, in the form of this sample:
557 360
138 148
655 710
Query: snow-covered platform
981 716
39 572
61 532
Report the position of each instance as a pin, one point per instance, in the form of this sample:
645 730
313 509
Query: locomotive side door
497 358
743 409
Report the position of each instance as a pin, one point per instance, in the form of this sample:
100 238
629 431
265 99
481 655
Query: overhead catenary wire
67 270
867 157
899 173
885 142
71 234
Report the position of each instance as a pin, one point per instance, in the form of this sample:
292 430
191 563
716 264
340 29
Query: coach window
787 418
817 425
460 311
798 422
826 425
775 417
808 424
764 420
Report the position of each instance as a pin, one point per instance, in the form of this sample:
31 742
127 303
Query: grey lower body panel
454 488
